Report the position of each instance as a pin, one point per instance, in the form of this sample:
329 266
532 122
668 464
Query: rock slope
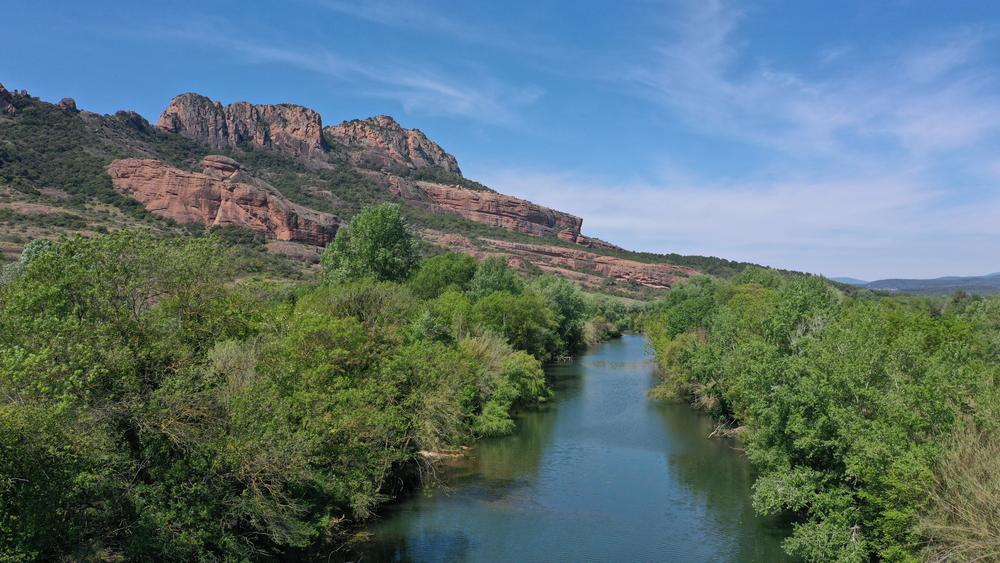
220 195
491 208
287 128
589 268
380 142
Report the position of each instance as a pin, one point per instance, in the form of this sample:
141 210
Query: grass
963 523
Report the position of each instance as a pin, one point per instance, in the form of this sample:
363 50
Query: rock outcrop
6 101
586 267
382 143
287 128
68 104
213 198
220 166
491 208
132 120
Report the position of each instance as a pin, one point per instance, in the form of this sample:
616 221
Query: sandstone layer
214 198
588 268
381 142
287 128
490 208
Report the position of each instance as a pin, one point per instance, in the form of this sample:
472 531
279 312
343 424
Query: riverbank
870 419
600 473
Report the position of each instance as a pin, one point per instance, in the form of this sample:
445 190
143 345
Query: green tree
568 307
375 245
526 321
441 273
494 274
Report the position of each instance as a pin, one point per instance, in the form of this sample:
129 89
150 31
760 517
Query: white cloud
857 149
873 226
920 98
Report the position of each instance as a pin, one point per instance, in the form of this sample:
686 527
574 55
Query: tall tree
375 245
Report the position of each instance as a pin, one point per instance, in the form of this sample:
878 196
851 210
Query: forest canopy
154 406
871 420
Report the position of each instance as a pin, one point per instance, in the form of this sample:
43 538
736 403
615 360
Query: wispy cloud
863 153
919 98
875 226
417 88
414 16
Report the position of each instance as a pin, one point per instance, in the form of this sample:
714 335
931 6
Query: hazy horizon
847 140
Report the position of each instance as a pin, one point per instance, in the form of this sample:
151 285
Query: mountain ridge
54 162
982 285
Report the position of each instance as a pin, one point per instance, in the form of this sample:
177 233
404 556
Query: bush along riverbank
871 421
151 407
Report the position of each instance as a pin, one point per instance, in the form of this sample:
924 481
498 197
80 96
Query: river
600 474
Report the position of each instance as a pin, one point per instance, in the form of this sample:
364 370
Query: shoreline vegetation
157 403
871 420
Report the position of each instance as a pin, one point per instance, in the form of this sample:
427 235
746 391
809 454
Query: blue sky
844 138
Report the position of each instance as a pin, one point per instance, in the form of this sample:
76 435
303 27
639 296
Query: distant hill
849 281
979 285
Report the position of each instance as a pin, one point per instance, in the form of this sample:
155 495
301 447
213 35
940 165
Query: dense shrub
441 273
492 275
151 408
568 307
847 404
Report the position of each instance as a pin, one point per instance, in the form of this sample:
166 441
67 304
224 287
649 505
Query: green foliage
846 403
524 320
9 218
568 308
505 380
44 146
239 236
493 275
441 273
441 176
153 409
375 245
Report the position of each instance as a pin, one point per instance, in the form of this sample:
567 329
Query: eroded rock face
5 101
490 208
286 128
213 199
384 142
220 166
588 268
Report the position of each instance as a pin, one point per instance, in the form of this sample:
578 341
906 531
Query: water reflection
602 474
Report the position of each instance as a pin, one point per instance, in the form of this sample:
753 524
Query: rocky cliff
491 208
380 142
286 128
220 195
49 189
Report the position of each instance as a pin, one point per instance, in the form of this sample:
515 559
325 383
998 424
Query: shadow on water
601 474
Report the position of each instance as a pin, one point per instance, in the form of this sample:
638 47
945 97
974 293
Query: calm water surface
602 474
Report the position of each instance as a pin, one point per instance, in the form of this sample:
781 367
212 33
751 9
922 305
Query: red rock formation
586 267
287 128
383 142
490 208
220 166
212 199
